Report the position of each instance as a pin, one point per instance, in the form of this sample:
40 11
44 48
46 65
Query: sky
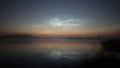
60 17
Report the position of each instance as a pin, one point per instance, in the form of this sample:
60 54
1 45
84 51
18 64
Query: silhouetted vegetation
102 62
112 45
111 59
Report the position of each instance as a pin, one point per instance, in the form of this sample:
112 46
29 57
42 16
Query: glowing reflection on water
55 49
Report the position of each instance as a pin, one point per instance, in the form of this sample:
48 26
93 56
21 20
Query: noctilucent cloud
60 17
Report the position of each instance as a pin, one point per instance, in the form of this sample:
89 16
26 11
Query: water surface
36 52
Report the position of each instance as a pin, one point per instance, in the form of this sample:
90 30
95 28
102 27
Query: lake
46 53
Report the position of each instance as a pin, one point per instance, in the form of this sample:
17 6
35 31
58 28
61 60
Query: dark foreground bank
109 58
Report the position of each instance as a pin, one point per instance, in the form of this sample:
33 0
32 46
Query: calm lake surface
45 52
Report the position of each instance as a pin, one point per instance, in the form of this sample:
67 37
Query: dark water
57 53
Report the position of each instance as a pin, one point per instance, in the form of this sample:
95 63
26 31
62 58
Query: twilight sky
60 17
